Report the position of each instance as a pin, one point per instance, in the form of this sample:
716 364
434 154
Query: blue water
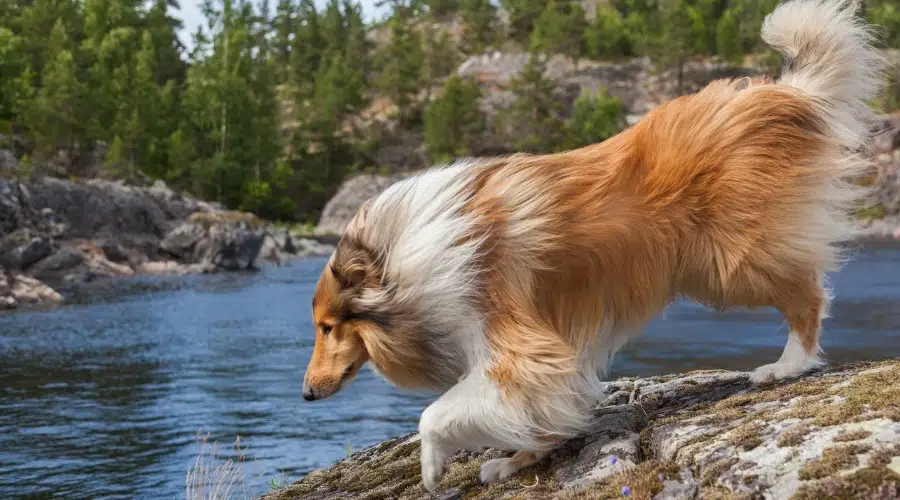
104 398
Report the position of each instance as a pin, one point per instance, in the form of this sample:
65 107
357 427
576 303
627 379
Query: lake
103 398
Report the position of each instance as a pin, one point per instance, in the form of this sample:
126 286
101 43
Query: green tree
680 36
480 25
16 91
339 93
307 49
886 15
560 30
283 36
453 121
728 37
53 117
522 16
441 8
595 118
401 60
607 35
440 55
535 114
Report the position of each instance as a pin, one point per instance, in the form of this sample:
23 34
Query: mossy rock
707 434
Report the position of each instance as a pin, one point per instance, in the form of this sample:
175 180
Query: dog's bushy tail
829 54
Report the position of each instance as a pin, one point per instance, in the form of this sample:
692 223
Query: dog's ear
353 266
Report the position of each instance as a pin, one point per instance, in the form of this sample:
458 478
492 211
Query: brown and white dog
508 284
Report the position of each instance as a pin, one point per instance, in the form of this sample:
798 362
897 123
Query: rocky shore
703 434
56 232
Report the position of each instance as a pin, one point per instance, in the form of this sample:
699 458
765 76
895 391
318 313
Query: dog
508 284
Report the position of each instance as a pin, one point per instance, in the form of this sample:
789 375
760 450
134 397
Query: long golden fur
508 284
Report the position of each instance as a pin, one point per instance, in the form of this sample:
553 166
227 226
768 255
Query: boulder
218 240
704 434
17 290
349 197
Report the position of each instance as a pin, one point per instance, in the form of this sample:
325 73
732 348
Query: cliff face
705 434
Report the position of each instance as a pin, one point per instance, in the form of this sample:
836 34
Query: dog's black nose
308 394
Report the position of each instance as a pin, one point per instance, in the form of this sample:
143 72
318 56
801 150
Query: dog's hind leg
804 312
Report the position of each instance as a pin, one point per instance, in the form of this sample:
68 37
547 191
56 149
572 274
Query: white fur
794 361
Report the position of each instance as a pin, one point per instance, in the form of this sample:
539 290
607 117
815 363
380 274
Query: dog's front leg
470 416
444 429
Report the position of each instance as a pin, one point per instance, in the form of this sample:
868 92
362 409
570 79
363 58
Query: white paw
498 469
781 371
434 464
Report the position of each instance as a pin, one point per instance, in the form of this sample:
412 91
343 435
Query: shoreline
57 233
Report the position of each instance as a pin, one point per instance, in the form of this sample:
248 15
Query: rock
116 252
221 240
169 267
349 197
9 164
17 290
704 434
60 262
31 252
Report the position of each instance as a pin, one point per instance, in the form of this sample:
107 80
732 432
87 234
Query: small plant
275 484
349 448
207 480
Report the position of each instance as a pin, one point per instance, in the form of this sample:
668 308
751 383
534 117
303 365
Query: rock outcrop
55 232
704 434
349 197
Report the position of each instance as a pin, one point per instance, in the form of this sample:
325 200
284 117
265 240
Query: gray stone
33 251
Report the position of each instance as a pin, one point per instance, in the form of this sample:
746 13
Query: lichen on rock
707 434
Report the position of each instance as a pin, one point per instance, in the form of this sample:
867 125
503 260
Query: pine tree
283 26
339 93
560 30
480 25
401 60
522 16
535 114
53 117
607 35
440 57
15 93
163 28
307 49
681 35
728 36
453 121
595 118
441 8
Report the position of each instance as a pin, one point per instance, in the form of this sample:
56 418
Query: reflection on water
103 399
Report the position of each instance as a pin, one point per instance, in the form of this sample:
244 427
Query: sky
191 17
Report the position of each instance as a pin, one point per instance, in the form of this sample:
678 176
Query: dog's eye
326 329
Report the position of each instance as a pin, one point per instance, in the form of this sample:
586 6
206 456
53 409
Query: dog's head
340 321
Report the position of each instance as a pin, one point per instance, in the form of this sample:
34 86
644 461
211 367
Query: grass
213 479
